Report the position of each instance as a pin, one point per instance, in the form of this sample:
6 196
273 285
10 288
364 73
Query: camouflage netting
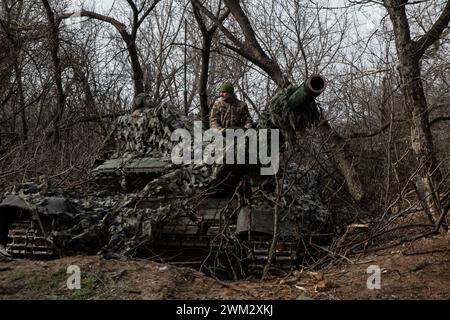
125 226
130 229
182 181
67 219
145 134
280 115
106 223
302 199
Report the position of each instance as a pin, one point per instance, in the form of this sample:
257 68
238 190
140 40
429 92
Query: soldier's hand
136 113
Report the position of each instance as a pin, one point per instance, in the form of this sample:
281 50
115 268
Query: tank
223 219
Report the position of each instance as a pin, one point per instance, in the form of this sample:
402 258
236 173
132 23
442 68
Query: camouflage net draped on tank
97 223
279 115
145 134
301 194
149 135
302 199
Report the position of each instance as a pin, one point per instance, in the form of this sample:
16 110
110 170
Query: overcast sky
369 15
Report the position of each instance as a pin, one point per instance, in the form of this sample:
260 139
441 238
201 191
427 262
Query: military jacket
230 114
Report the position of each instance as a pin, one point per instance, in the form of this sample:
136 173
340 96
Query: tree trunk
53 36
421 135
203 88
138 74
343 159
251 49
207 34
410 53
23 117
129 39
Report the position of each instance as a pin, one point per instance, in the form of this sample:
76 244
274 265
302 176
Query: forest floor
418 270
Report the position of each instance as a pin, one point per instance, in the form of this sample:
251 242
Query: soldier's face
148 102
226 95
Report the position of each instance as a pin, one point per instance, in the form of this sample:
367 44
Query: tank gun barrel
305 95
294 108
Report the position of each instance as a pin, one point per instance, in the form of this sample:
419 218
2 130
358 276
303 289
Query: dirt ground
419 270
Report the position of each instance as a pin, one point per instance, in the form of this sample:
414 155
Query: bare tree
140 14
410 52
207 34
54 40
249 48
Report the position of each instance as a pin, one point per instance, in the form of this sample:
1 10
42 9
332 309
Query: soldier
228 111
142 100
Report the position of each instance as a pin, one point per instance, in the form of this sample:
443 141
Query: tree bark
203 89
343 159
410 53
53 36
138 74
23 117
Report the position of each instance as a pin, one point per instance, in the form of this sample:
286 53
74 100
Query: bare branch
435 31
374 133
439 119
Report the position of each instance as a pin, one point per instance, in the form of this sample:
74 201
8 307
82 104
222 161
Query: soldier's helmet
142 100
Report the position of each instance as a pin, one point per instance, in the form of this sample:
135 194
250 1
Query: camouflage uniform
230 114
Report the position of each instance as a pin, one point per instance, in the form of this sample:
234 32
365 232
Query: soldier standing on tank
228 111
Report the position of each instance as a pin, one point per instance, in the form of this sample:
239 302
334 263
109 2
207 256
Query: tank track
284 257
28 242
187 240
211 236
